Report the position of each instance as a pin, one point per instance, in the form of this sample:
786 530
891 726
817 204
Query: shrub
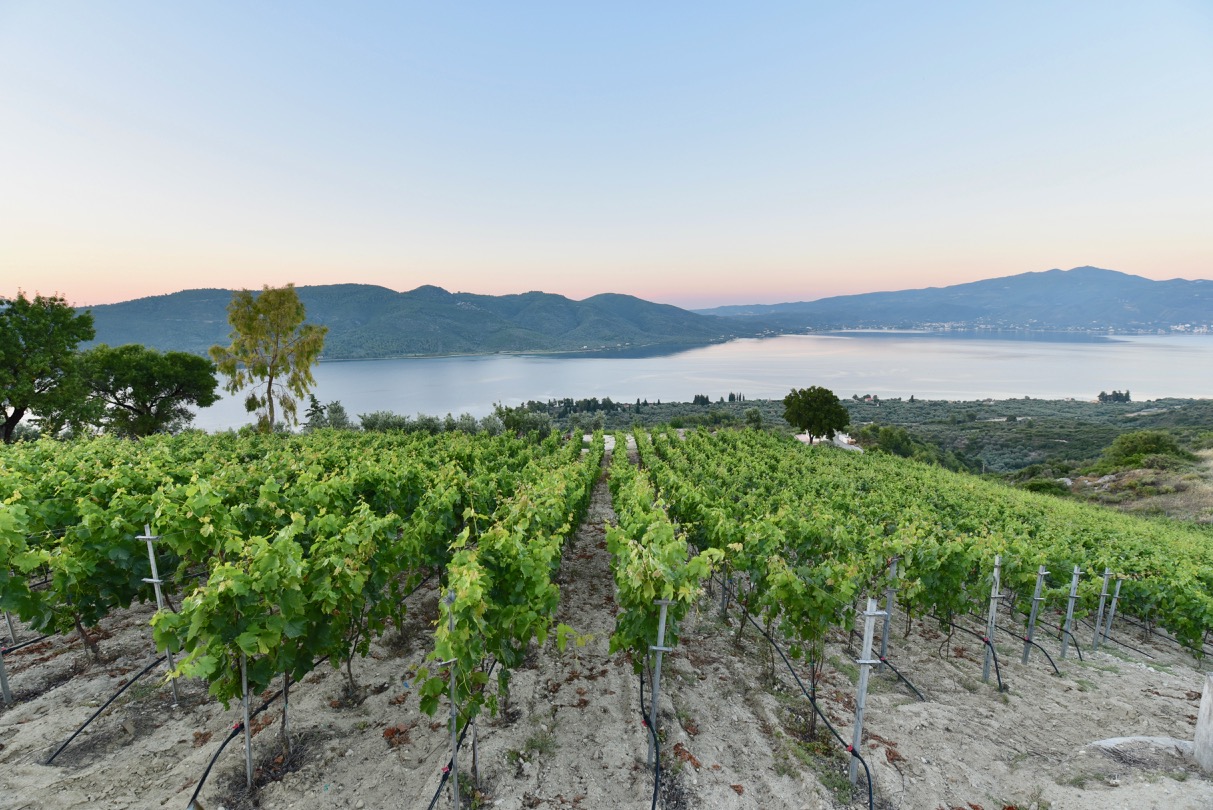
1131 450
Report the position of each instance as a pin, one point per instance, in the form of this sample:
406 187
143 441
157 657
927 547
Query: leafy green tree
38 341
314 414
521 421
426 423
336 416
1145 448
753 418
272 350
816 411
382 421
332 415
143 391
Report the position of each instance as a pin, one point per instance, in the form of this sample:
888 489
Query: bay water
927 365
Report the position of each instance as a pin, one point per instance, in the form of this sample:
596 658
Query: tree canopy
38 372
143 391
816 411
272 350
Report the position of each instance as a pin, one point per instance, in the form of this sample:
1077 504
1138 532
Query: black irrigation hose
19 645
104 706
813 702
1193 650
644 718
236 729
1106 637
446 771
984 640
1027 640
1062 630
903 678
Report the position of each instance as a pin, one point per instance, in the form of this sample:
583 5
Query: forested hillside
366 322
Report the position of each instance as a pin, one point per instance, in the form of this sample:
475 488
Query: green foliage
332 415
522 420
500 593
272 350
813 527
383 421
1059 434
652 562
1144 448
38 372
143 391
1046 486
898 441
308 542
816 411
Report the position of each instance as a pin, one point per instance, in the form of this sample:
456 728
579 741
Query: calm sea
888 364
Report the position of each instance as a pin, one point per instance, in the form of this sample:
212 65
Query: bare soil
734 727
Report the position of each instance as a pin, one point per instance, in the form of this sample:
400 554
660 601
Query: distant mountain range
1084 298
367 322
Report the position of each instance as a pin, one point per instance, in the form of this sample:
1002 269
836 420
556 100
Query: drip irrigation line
644 718
14 647
236 729
813 702
104 706
1060 630
1107 637
446 770
984 640
1027 640
1165 637
884 660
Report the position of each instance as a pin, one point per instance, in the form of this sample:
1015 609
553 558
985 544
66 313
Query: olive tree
816 411
272 351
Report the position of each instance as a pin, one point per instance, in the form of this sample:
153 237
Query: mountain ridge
372 322
1080 299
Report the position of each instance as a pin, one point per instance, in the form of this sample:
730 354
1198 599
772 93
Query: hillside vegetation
367 322
1089 450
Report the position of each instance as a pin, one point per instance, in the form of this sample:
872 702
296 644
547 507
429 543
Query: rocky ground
735 728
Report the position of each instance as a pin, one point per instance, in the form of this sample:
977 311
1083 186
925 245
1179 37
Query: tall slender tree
272 351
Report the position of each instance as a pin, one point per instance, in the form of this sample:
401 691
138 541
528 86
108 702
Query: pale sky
688 153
